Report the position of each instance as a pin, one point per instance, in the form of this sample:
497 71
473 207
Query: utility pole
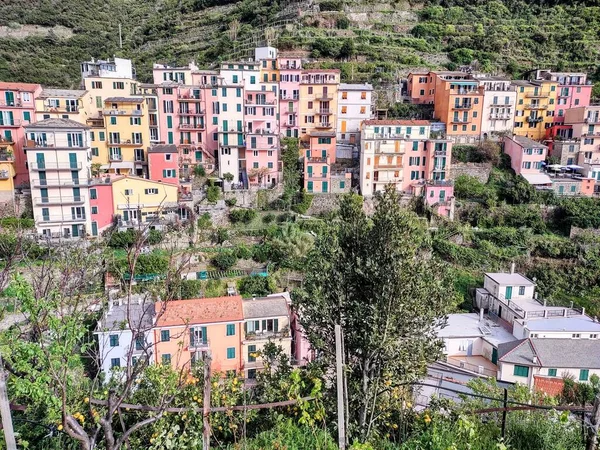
340 388
206 404
120 38
592 439
9 433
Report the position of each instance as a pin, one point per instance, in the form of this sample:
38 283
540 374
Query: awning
537 179
117 165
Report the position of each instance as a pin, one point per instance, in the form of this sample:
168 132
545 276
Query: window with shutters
114 340
166 358
551 372
231 353
251 353
165 335
521 371
231 329
115 362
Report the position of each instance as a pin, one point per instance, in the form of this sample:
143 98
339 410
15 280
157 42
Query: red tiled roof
396 122
199 310
27 87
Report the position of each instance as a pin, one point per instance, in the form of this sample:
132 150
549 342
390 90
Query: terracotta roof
321 70
200 310
124 100
163 148
396 122
27 87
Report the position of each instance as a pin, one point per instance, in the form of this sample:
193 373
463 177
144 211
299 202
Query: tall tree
377 279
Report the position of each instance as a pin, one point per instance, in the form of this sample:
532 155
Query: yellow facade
127 134
535 108
318 101
63 104
100 89
145 196
7 171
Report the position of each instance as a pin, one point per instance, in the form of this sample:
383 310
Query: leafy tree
213 193
291 174
228 177
518 190
374 278
224 260
220 235
242 215
256 286
204 221
199 171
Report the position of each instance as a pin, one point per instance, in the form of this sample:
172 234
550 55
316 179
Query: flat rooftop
510 279
468 325
583 324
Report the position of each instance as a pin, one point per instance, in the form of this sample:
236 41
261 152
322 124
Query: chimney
512 268
545 303
535 359
480 314
583 311
565 312
571 305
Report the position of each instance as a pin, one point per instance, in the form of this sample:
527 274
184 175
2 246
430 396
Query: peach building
17 110
186 331
421 87
526 155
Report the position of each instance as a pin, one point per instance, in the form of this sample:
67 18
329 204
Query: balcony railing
501 116
188 97
61 109
592 120
323 125
536 95
191 126
260 102
317 159
56 182
325 111
317 175
55 166
463 106
59 200
115 157
463 120
251 335
188 112
196 344
535 106
62 219
591 160
122 112
535 119
6 156
14 104
289 124
125 143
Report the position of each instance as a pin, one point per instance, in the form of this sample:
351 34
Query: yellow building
534 111
7 173
63 104
318 100
138 200
127 136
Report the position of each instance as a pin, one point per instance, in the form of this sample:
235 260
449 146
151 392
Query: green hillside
370 40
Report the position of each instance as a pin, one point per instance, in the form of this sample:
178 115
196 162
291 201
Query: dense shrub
243 252
155 237
189 289
122 239
268 218
305 200
204 221
256 286
242 215
224 260
15 222
231 202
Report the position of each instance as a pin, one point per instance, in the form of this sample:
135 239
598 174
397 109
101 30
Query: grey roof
265 307
125 99
139 314
355 87
468 325
57 123
163 148
575 324
323 133
556 353
510 279
518 352
62 93
526 142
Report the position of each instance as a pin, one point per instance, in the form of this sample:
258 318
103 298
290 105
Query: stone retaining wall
481 171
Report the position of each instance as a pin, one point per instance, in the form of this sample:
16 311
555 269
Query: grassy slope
511 36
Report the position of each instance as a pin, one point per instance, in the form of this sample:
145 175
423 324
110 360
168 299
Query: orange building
421 87
186 331
459 104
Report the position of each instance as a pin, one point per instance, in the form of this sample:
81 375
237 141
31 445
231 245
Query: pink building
425 159
17 110
526 155
101 203
420 87
440 196
290 69
319 156
163 160
573 90
262 137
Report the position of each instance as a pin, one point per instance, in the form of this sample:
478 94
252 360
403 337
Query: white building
354 106
498 106
471 342
125 334
116 68
266 319
58 158
532 361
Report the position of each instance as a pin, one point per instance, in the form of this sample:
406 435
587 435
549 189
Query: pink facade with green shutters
163 163
101 204
573 90
319 155
290 70
17 110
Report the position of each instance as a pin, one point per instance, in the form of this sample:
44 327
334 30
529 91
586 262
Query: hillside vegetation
373 40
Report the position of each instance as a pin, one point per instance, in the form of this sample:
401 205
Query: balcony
317 159
324 97
15 123
260 131
61 109
595 119
61 219
535 119
501 116
535 106
122 112
187 112
68 200
439 168
311 175
463 106
55 166
115 157
4 175
463 120
290 97
260 102
537 95
59 183
127 143
6 156
592 134
289 124
191 126
591 160
198 344
13 104
188 98
466 91
95 121
325 111
323 125
252 336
